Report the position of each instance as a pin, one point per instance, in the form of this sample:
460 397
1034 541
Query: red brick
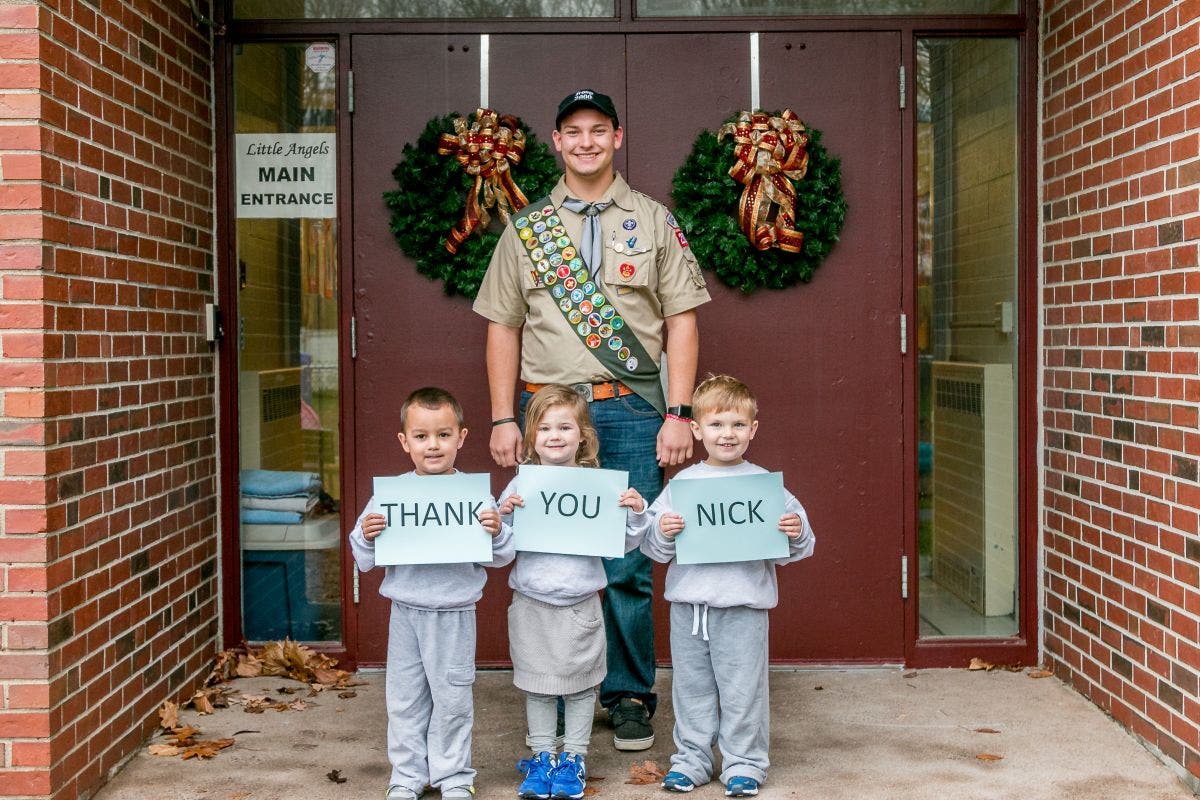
24 782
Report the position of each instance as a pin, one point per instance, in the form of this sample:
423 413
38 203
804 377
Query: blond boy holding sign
719 609
431 634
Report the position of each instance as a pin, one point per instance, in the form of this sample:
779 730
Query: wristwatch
682 412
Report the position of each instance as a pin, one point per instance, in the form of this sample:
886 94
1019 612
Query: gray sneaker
458 793
397 792
631 725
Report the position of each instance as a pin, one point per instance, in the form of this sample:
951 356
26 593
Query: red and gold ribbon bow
771 152
486 148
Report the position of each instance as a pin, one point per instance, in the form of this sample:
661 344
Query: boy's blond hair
546 398
718 393
431 398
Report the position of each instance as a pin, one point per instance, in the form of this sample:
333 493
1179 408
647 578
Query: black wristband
504 421
683 412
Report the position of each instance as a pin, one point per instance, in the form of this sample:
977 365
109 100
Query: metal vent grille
280 402
965 397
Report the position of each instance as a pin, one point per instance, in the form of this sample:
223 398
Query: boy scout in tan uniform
629 285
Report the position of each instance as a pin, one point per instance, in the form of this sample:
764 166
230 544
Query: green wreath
431 197
706 206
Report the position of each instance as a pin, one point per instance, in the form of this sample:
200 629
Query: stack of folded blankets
273 497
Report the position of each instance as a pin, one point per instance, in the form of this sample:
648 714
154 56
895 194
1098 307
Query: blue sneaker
741 786
569 778
536 785
677 782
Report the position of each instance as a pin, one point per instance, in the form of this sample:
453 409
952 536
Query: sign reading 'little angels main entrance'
286 175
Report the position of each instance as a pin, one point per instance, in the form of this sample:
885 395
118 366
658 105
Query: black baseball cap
586 98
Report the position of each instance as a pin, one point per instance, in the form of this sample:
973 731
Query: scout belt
557 266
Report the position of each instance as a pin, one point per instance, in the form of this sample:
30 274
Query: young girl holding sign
555 626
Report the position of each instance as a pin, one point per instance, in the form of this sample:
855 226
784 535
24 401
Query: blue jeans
628 430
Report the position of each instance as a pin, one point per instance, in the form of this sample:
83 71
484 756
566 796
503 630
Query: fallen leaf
201 703
335 775
644 773
912 674
184 735
589 791
206 749
347 695
168 715
1040 673
163 750
287 690
818 688
297 705
989 757
986 730
979 663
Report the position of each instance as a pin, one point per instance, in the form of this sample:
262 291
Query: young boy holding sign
719 609
431 635
555 625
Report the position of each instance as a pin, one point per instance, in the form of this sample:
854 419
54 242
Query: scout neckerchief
558 267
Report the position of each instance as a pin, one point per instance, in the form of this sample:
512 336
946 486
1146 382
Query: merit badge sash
558 266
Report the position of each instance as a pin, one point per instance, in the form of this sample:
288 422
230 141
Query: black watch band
683 412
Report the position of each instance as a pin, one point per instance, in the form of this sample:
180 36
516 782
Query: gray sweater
741 583
560 579
430 587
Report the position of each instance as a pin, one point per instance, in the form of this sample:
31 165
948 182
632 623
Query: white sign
286 175
319 57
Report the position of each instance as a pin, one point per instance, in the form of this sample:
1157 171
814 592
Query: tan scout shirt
664 280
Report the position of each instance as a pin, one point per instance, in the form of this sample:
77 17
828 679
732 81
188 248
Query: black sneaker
631 725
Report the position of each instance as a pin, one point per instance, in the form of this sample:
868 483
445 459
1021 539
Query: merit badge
525 233
582 275
576 262
593 341
550 247
543 265
547 211
631 363
539 227
608 312
588 287
553 220
544 236
598 300
627 270
629 224
623 353
558 291
614 343
671 220
563 271
617 323
531 243
568 253
585 306
573 315
594 320
521 223
565 305
558 230
570 283
537 254
534 216
582 329
606 331
563 241
550 279
576 296
555 259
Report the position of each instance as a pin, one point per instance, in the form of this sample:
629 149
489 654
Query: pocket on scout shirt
627 267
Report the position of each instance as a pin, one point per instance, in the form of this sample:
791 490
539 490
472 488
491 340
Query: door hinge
903 87
903 334
350 91
903 580
354 337
355 571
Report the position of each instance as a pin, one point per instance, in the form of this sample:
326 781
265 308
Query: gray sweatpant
430 671
719 691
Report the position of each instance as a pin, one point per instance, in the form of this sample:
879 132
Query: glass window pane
967 335
778 8
287 332
422 9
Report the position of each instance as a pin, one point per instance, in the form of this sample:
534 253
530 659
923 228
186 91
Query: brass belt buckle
584 390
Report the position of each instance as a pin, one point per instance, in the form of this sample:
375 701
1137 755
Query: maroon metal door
823 357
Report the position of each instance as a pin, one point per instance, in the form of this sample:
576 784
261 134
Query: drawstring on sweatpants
700 619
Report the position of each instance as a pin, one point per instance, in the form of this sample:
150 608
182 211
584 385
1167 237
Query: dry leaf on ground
986 730
201 703
989 757
646 772
206 749
335 775
168 715
979 663
347 695
1040 673
163 750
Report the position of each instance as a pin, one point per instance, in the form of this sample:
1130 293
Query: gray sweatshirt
560 579
430 587
740 583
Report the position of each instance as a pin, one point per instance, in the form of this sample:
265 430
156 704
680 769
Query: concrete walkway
836 733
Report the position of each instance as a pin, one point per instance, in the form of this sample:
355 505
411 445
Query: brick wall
1121 181
108 593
